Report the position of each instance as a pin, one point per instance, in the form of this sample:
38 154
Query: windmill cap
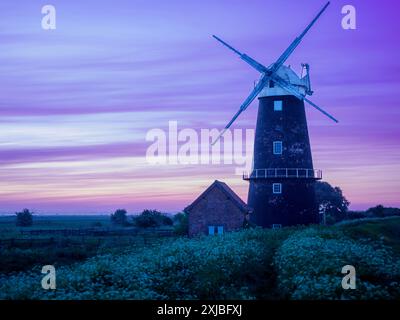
287 74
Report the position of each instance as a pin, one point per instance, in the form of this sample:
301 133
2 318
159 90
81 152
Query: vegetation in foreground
63 240
291 263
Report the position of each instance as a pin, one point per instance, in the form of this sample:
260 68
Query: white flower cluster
291 263
309 266
183 269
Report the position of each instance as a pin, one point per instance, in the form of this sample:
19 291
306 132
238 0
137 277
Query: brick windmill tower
282 181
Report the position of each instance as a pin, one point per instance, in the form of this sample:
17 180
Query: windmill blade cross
271 73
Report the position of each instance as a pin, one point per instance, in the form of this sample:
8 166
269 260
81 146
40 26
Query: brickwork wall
216 209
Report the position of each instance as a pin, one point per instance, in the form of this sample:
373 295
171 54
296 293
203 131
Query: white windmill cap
287 74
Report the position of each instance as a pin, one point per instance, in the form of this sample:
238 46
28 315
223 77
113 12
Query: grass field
8 228
386 230
21 248
290 263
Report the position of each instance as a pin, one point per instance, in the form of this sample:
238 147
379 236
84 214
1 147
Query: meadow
8 228
290 263
62 240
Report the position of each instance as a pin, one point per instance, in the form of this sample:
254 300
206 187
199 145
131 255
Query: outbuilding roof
226 190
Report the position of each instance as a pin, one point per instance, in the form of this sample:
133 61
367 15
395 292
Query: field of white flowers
291 263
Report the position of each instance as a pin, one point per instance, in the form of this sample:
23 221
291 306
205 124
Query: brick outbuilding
217 210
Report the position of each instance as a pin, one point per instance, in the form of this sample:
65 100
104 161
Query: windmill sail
291 89
256 65
254 93
285 55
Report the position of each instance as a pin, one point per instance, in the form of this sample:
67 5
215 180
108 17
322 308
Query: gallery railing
283 173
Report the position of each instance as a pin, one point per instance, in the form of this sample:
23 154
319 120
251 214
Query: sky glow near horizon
76 102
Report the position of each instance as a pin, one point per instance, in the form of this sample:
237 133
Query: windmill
282 179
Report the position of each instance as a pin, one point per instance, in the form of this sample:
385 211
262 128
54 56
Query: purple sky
76 102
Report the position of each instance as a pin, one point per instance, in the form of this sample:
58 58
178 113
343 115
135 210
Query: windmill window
278 105
277 147
277 188
276 226
220 230
211 230
271 84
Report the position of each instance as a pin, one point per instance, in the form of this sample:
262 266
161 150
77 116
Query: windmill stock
282 180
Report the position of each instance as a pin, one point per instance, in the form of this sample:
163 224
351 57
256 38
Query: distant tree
119 217
331 202
352 215
166 221
152 218
389 211
24 218
181 224
378 211
147 219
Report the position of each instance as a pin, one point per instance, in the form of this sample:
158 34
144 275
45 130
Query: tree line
332 204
